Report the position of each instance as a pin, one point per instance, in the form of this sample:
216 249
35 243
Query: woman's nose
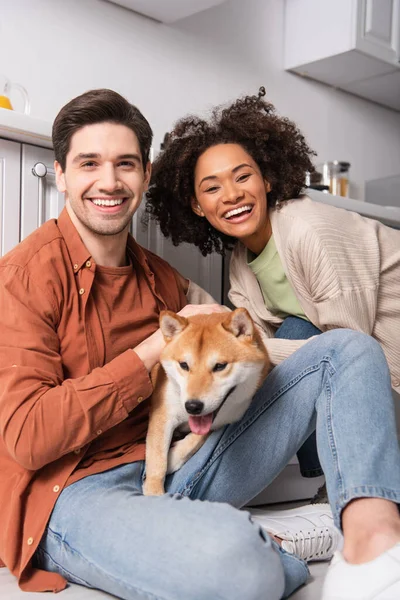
232 193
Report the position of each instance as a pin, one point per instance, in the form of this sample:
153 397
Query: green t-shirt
277 292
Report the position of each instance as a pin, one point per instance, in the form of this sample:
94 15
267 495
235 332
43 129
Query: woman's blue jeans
193 543
295 328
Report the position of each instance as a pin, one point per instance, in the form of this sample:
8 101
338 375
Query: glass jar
335 174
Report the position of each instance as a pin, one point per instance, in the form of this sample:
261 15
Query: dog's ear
240 323
171 324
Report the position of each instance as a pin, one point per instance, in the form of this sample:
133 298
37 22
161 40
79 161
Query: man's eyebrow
233 171
95 155
85 156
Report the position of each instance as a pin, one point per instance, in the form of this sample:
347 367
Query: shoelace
315 544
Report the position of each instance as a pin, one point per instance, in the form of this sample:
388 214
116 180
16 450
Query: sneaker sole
391 593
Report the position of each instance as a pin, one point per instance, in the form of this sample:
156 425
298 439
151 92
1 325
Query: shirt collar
76 248
79 253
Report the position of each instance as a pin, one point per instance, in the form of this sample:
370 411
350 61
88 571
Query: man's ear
196 208
60 177
147 175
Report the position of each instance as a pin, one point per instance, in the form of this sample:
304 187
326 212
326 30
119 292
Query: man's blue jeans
295 328
192 543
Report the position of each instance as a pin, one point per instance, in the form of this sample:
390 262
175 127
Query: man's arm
44 416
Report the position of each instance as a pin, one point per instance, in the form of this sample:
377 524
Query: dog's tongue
201 425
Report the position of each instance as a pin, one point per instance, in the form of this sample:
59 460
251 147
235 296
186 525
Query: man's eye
89 164
219 367
126 164
184 366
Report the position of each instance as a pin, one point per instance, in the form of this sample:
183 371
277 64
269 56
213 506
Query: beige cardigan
344 270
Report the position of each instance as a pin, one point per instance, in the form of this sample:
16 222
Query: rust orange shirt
73 395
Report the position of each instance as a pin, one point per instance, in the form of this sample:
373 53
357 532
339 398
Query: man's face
104 178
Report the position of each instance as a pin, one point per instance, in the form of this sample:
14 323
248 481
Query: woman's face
231 194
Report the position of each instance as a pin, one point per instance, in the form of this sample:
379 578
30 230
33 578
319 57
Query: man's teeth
101 202
237 211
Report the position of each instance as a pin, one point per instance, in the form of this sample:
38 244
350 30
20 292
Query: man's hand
201 309
150 349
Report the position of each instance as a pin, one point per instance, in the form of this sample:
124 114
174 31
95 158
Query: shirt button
77 451
140 399
81 291
88 264
396 382
56 488
99 431
30 541
76 267
13 365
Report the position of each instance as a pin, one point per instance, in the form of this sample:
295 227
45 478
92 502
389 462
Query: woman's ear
196 208
267 186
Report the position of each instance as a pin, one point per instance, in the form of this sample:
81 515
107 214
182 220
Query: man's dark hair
273 142
98 106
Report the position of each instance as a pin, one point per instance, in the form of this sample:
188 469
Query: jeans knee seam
95 567
333 446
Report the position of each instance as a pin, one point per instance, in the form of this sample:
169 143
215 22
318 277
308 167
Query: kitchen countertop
23 128
390 215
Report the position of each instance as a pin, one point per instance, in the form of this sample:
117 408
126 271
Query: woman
235 182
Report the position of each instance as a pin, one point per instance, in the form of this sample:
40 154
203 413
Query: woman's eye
219 367
243 177
212 189
184 366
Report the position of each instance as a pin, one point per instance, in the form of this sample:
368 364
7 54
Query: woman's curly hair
275 144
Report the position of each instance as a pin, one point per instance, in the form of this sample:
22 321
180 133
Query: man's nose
109 181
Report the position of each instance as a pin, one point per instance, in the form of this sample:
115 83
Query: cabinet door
378 28
206 271
40 199
10 171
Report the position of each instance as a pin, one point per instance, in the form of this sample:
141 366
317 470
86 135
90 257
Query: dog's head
216 363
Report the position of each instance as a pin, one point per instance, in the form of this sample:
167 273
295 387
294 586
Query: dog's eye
219 367
184 366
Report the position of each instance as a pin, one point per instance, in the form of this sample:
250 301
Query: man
79 306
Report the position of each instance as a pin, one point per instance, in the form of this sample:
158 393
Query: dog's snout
194 407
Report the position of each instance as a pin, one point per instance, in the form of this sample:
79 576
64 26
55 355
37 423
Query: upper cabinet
350 44
167 11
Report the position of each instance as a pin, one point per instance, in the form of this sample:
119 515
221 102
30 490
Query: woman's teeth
237 211
100 202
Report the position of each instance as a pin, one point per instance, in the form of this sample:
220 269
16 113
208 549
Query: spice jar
335 174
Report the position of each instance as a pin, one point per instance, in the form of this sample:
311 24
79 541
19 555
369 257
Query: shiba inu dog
209 370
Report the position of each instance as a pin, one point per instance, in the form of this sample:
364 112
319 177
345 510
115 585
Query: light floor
10 591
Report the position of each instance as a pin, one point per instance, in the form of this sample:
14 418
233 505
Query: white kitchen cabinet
40 199
26 200
10 157
350 44
204 270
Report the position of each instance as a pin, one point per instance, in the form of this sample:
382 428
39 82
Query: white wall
60 48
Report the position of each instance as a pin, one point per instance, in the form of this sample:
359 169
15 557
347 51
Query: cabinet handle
39 170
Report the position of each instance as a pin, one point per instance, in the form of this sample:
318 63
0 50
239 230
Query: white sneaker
307 531
378 579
